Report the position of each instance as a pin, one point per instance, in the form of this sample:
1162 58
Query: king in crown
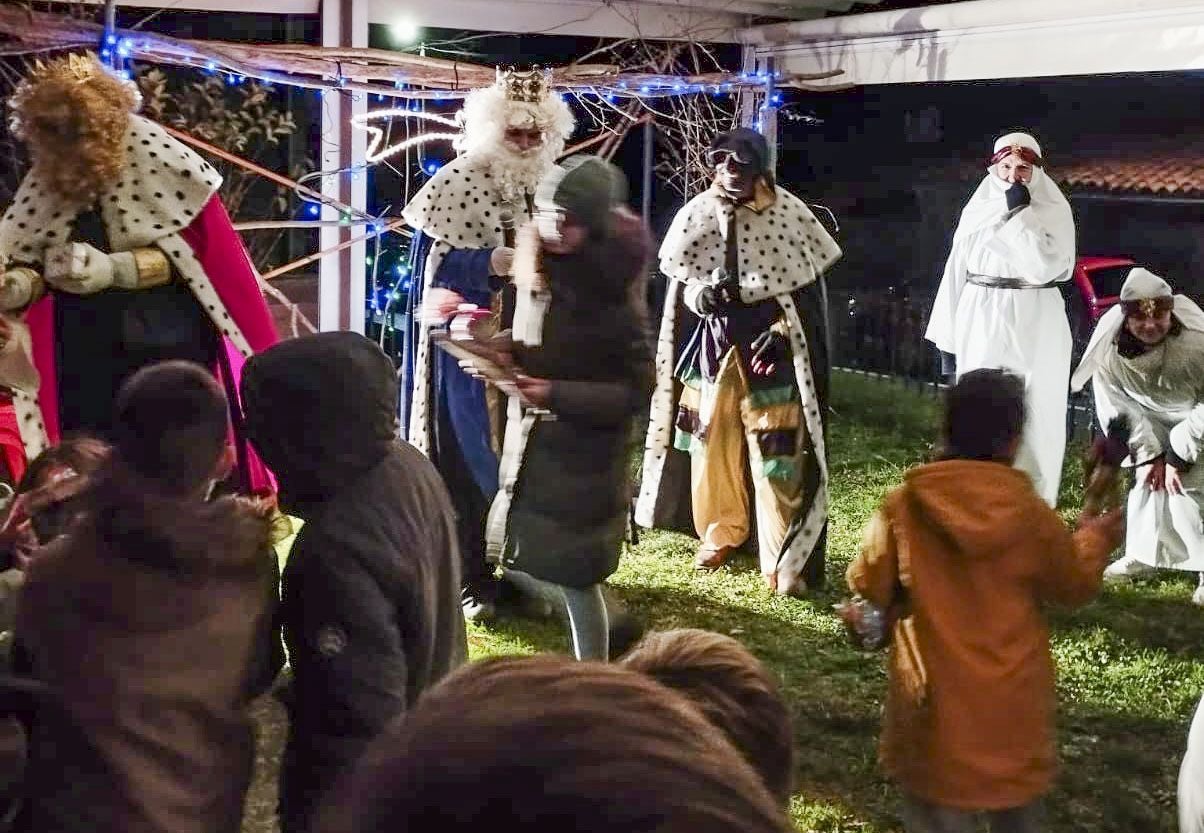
115 253
462 253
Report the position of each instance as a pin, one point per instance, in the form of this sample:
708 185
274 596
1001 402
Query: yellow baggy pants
718 465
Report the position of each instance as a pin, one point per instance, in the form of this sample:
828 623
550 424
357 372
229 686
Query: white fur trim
782 249
459 208
29 423
162 189
659 439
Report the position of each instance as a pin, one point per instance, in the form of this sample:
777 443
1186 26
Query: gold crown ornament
530 87
69 69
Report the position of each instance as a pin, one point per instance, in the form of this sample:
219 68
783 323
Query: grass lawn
1129 667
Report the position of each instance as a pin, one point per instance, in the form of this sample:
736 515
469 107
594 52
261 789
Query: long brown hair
545 743
75 128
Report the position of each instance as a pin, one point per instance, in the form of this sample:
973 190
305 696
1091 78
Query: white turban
1140 285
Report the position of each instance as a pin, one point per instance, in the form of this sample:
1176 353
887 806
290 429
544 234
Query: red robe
221 253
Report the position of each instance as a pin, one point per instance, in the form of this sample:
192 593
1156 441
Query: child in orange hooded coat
969 554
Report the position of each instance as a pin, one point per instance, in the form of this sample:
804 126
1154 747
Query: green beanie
587 187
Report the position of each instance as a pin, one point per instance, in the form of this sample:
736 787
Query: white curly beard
518 174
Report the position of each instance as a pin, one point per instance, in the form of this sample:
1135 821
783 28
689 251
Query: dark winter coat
570 508
371 591
151 626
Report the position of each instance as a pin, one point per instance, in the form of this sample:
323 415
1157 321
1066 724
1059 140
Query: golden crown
531 86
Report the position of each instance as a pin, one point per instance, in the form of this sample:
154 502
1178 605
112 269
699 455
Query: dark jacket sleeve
345 641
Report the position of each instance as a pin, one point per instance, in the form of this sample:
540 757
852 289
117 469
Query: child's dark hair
171 424
984 416
83 455
534 743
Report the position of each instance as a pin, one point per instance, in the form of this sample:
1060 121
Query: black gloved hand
769 348
718 299
1018 196
710 301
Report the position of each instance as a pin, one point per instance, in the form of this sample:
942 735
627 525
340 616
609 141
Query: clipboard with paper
482 358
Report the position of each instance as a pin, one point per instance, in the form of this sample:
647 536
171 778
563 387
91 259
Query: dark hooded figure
371 591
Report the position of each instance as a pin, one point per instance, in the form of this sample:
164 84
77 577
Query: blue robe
459 400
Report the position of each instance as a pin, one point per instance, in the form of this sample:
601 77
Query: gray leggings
588 622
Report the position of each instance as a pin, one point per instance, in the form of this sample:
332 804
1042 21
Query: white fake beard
519 174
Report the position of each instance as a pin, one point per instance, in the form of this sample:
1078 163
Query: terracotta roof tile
1169 174
1151 166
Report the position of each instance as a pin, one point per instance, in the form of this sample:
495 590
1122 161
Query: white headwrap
1047 199
1140 285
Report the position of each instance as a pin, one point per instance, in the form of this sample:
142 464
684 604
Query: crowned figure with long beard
116 253
465 219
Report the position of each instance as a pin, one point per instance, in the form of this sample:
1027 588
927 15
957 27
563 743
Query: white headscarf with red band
985 208
1140 285
988 201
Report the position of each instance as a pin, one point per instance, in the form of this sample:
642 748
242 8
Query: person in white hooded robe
1146 362
999 306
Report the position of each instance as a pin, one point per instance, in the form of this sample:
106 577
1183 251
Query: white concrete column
342 276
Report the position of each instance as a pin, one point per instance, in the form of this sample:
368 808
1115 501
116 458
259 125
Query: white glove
82 269
16 289
501 261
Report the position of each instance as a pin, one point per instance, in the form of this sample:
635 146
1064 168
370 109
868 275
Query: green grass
1130 670
1129 664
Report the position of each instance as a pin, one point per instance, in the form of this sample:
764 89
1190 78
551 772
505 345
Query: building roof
1134 166
1175 173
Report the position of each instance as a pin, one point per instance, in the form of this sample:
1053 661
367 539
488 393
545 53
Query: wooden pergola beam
377 71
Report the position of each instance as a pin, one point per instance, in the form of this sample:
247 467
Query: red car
1097 282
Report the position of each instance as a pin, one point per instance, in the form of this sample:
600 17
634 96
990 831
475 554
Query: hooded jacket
569 514
974 555
371 592
151 624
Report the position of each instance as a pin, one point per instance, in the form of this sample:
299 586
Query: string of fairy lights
407 105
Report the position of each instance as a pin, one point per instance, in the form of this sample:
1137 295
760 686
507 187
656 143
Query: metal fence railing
882 332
